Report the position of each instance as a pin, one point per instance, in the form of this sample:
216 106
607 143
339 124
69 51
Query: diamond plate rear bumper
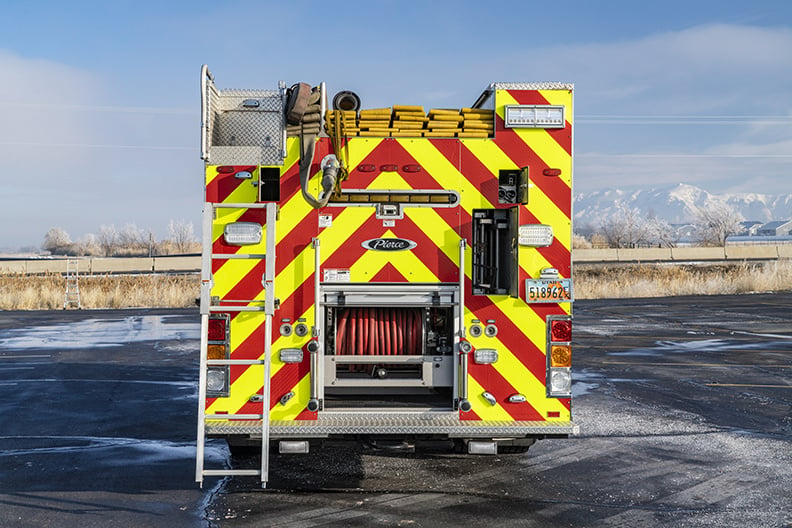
392 423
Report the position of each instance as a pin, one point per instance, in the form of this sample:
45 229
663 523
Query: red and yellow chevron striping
468 169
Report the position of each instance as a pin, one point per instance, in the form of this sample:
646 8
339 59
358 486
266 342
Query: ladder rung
233 416
236 308
231 472
242 300
239 205
257 256
223 362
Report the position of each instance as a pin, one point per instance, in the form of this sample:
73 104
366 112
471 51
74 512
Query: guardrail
105 265
192 263
682 254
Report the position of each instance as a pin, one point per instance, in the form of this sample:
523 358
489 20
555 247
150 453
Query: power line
679 155
99 146
108 109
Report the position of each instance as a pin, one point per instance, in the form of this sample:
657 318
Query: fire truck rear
394 274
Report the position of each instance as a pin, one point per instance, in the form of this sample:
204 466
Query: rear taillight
217 328
560 330
218 336
559 356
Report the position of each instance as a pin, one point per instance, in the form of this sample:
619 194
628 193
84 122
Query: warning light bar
534 116
535 235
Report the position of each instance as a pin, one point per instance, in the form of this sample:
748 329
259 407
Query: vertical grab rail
313 346
206 77
462 346
206 288
269 311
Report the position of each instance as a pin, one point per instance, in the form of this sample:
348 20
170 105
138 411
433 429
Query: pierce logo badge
388 244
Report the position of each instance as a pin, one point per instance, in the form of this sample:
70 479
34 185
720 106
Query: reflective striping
485 411
469 166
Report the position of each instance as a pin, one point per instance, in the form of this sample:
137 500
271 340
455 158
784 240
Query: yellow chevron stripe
229 274
560 97
296 405
346 221
481 407
490 155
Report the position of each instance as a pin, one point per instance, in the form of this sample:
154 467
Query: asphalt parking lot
685 408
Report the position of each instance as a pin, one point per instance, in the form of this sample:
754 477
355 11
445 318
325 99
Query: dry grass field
46 292
660 280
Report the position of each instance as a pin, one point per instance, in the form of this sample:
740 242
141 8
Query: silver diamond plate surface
394 424
533 86
240 134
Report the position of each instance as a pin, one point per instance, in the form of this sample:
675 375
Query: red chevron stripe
287 378
493 381
388 273
221 187
469 416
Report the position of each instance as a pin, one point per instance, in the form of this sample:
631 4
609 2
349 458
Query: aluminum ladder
267 305
72 296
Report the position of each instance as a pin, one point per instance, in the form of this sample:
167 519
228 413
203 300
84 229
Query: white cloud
74 158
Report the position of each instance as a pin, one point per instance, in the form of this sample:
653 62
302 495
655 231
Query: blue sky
100 100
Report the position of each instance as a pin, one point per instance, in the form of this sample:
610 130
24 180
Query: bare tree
181 234
57 241
133 241
88 245
659 232
107 239
626 228
717 221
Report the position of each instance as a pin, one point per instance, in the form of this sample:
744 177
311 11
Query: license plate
548 290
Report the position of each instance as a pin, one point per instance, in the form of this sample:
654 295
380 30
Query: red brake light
226 169
412 167
389 168
552 172
217 329
561 330
367 167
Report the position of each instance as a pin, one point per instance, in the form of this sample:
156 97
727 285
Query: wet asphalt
685 408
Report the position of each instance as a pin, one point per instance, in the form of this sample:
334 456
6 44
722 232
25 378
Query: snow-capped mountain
678 204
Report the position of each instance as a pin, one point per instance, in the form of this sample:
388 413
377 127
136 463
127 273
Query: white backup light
535 235
242 233
216 380
560 382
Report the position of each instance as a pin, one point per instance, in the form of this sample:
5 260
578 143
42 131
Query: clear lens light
215 380
291 355
242 233
536 235
485 356
560 381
